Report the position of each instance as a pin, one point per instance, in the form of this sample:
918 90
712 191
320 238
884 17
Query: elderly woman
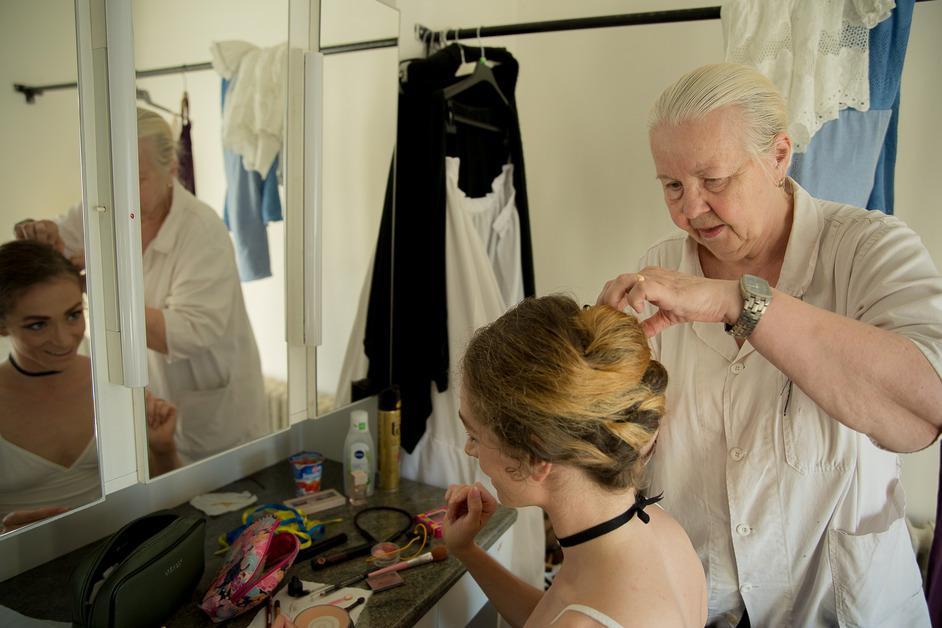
561 405
203 355
777 452
48 454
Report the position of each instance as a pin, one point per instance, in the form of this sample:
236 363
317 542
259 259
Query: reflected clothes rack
30 92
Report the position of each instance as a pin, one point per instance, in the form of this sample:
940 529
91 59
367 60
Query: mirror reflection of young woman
48 453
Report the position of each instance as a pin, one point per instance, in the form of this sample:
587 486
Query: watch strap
753 308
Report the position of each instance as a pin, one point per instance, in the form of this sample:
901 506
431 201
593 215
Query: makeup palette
323 616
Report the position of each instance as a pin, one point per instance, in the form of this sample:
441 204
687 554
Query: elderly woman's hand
678 297
45 231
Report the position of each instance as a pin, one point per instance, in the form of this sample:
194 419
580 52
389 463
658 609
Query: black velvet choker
31 373
614 523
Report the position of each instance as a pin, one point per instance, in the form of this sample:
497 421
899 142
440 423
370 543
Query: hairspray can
389 420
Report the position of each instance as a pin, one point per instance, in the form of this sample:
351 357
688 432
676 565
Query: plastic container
359 459
307 467
389 421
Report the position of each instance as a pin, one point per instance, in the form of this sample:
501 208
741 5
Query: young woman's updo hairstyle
718 85
26 263
152 126
568 385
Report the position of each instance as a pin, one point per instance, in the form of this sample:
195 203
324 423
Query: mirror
211 216
48 448
360 102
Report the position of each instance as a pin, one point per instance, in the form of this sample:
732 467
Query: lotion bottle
359 459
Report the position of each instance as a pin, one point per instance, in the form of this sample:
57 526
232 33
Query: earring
781 183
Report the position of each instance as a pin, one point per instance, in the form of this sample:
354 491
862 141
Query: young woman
562 405
48 455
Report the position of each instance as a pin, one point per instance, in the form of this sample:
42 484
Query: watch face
757 286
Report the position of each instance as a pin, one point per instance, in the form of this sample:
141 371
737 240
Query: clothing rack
30 92
427 35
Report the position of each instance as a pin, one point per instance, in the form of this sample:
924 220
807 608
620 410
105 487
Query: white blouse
791 512
29 481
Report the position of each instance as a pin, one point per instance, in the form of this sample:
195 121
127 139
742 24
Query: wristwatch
756 296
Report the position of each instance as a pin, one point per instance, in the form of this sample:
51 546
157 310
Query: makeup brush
438 553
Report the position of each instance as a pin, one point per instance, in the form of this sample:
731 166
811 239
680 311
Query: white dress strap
598 616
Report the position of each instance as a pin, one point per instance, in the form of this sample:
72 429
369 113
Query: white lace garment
815 51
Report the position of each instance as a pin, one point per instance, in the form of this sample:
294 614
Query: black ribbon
641 502
30 373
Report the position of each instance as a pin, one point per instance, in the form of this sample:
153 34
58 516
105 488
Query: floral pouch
254 567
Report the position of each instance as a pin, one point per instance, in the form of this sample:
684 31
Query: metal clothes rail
606 21
427 35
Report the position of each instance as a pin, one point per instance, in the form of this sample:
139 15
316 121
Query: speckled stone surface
42 592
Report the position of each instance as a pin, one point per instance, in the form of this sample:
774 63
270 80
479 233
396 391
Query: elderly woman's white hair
718 85
152 126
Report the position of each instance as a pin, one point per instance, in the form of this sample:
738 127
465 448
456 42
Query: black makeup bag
141 574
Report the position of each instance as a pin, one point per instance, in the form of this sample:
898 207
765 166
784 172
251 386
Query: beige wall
918 167
40 168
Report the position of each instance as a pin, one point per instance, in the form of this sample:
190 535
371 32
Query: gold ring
640 278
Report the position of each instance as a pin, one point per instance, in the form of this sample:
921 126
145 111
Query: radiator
276 394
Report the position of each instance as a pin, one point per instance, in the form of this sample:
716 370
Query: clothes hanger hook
481 44
460 48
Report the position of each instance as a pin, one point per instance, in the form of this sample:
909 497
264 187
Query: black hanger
457 117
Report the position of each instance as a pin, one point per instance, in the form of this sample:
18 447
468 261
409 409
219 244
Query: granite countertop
43 591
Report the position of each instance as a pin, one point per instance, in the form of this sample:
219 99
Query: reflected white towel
214 504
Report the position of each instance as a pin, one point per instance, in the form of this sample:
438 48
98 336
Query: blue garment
888 42
842 157
251 203
852 159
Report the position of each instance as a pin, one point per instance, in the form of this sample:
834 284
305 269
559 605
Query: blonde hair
163 147
718 85
559 383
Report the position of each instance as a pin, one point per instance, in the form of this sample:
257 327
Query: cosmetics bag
141 574
254 567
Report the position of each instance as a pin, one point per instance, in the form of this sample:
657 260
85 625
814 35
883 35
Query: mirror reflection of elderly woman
203 355
776 454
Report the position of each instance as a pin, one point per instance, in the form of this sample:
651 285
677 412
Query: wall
917 168
40 168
